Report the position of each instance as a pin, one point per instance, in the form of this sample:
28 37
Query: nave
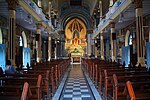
42 41
76 86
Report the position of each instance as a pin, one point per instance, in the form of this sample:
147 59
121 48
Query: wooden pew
104 79
108 80
39 70
138 94
56 71
97 74
119 85
45 79
113 70
6 89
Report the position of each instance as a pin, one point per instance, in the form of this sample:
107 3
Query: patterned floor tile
84 90
76 98
68 91
86 95
76 87
68 96
76 93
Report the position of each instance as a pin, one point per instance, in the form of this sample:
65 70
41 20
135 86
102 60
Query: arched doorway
148 51
24 39
127 50
24 50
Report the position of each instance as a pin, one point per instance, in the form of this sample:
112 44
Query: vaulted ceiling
83 11
58 3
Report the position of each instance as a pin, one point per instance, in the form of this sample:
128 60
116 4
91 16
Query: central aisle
76 87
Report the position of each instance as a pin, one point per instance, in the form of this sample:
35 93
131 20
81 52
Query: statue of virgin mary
75 34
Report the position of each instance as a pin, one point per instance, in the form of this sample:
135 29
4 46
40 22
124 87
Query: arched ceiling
90 3
69 15
66 11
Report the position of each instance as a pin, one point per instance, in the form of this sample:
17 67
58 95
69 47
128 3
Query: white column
140 33
49 48
89 45
61 47
55 49
113 41
38 42
101 10
108 54
102 45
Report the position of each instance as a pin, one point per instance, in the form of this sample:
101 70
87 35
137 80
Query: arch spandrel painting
75 33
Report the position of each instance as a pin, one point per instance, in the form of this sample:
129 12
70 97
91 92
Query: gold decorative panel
75 33
75 24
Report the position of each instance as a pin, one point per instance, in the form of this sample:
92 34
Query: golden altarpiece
75 44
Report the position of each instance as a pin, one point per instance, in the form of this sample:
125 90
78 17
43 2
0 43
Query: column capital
101 33
138 4
12 4
112 24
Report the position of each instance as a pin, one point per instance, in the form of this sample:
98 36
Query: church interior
75 49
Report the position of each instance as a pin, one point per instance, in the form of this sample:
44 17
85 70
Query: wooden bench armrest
26 91
130 90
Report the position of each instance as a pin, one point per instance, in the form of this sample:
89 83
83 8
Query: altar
75 43
75 58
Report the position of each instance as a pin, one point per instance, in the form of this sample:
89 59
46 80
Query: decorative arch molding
85 17
1 36
127 38
71 18
24 39
75 24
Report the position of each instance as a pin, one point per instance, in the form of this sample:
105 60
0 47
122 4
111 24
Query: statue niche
75 34
75 38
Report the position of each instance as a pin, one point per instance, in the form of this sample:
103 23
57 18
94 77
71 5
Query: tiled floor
76 87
